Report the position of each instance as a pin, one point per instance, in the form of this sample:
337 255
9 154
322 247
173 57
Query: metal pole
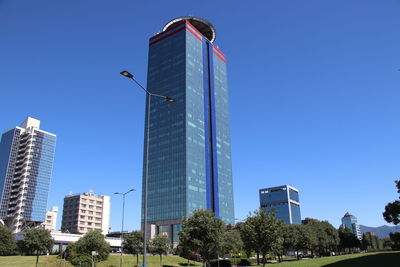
146 180
122 228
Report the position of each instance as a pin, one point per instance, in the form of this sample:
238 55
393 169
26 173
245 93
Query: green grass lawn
378 259
113 260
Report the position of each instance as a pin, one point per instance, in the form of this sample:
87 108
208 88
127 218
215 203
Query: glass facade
284 200
8 155
350 221
41 164
189 139
26 160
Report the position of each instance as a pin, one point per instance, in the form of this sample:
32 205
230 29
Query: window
82 217
90 206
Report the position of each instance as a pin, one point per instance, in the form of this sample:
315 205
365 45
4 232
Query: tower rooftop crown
203 26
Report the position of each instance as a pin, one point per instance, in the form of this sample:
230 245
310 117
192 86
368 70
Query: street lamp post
149 95
123 214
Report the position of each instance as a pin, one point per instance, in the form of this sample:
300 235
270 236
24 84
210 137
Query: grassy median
377 259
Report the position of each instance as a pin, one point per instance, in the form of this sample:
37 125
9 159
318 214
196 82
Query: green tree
395 238
327 237
298 238
248 238
38 241
392 209
8 245
387 243
184 252
348 240
202 233
232 242
160 245
80 252
133 244
93 241
333 236
76 259
263 232
366 242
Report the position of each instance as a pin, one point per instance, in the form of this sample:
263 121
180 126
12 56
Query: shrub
244 262
222 263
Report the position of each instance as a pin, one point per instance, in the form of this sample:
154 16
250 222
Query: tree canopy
38 241
348 240
299 237
160 244
392 209
133 244
81 251
8 245
202 233
262 233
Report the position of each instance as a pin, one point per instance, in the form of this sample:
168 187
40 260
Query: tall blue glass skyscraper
284 200
189 140
26 161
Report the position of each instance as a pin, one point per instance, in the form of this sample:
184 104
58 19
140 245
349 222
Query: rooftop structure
203 26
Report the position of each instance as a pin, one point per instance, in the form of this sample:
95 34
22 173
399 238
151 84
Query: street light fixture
123 213
146 180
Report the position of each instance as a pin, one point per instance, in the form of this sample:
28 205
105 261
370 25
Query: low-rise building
50 222
86 212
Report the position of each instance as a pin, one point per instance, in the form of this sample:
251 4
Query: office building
85 212
51 219
26 161
284 200
350 221
190 146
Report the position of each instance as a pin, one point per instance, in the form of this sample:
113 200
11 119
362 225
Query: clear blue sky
314 95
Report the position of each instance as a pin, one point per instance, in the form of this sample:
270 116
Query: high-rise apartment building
189 140
350 221
284 200
26 161
86 212
50 222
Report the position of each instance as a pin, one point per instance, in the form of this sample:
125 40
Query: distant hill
381 231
